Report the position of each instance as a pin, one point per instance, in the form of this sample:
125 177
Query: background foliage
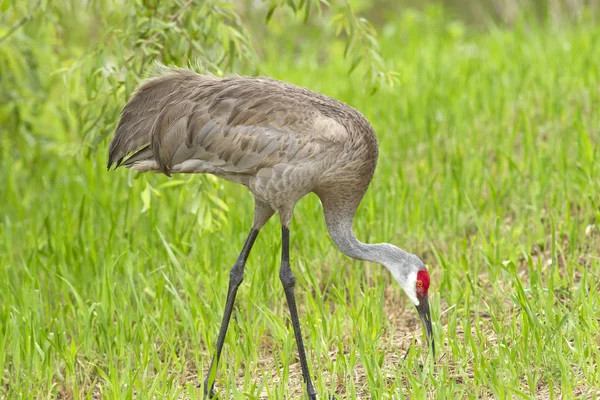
487 112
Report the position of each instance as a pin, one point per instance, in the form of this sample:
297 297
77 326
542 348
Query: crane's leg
288 279
262 213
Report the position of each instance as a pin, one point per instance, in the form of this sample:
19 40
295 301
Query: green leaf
270 12
292 5
355 63
171 183
307 11
146 197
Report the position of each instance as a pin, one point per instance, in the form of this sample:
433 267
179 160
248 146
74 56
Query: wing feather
235 125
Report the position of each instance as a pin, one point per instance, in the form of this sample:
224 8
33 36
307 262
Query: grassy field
112 285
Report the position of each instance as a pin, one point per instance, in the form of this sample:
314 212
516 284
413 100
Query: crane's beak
425 314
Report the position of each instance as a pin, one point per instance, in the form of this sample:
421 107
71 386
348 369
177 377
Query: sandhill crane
281 142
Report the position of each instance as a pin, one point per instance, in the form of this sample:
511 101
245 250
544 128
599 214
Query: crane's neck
343 236
339 221
339 215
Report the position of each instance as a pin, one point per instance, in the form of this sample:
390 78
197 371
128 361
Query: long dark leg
236 276
288 280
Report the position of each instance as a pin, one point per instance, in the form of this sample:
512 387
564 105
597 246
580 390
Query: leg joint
236 275
288 279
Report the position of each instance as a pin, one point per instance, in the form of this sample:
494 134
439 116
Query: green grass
489 169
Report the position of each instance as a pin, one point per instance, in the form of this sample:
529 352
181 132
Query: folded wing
237 125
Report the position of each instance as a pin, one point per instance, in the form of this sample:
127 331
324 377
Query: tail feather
143 154
134 131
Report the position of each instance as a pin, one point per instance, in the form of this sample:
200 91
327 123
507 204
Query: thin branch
181 10
15 27
18 25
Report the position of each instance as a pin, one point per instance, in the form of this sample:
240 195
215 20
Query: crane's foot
313 396
209 394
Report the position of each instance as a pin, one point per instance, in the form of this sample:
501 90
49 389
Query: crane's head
421 288
412 275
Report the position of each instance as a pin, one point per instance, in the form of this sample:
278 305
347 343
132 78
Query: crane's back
266 134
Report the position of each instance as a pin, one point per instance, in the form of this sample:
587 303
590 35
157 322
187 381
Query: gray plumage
241 129
279 140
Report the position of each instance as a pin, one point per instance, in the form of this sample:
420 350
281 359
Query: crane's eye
419 284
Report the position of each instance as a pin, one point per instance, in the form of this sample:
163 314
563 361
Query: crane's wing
236 125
